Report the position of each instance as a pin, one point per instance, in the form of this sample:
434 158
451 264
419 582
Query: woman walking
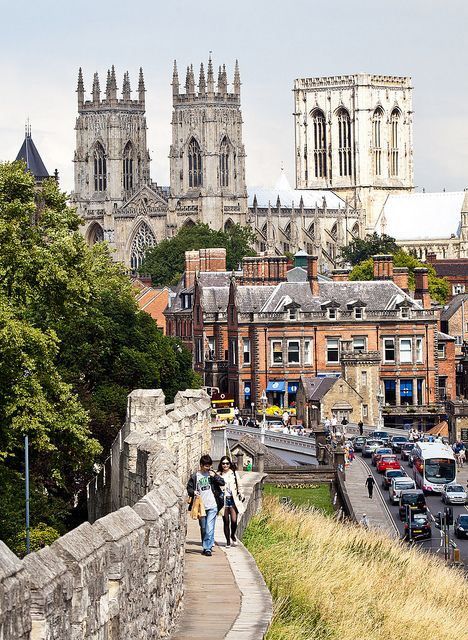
233 499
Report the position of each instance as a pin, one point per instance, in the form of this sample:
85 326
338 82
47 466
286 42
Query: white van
397 486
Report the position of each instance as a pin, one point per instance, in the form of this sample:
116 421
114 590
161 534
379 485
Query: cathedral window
100 168
355 231
128 167
394 122
144 239
96 234
224 163
320 144
377 140
344 143
195 164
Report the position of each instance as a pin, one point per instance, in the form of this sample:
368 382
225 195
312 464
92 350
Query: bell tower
207 155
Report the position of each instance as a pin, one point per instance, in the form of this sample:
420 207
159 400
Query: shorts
230 501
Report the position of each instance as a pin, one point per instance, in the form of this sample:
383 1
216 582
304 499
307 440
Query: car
358 443
389 474
275 425
380 435
378 453
387 462
454 494
370 446
461 526
418 528
412 499
396 442
398 485
405 450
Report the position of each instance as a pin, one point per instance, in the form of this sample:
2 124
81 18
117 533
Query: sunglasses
225 464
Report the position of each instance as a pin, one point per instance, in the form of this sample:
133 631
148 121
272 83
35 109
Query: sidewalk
376 510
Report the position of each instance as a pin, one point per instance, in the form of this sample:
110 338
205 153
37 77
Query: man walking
361 427
370 485
207 484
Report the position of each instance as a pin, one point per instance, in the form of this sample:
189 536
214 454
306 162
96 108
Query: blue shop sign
276 385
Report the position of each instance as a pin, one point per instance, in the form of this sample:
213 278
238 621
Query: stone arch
225 148
355 230
99 167
95 233
195 163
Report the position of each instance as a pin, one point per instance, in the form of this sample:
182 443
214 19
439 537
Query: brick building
269 326
454 321
455 270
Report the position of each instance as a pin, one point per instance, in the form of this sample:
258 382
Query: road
434 504
294 450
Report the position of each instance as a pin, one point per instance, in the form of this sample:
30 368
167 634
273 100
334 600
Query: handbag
198 509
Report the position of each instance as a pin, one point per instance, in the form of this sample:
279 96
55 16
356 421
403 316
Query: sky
43 44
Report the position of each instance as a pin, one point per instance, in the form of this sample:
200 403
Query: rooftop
31 156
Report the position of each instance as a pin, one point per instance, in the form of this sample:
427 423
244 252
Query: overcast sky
42 44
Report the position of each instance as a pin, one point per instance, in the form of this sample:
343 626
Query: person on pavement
233 499
207 484
364 521
370 484
334 422
361 427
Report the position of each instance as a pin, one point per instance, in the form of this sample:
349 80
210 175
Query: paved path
225 596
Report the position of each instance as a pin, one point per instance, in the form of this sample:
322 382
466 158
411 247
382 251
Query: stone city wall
122 576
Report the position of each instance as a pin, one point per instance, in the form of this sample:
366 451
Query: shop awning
276 385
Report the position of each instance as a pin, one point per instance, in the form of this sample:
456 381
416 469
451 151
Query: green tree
166 261
438 287
361 249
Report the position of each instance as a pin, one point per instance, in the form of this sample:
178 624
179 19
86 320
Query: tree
438 287
166 261
361 249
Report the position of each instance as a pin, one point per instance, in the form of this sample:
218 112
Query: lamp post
263 400
380 400
252 410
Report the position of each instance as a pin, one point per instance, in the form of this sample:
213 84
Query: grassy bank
337 581
317 496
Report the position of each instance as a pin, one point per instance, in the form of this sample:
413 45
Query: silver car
370 446
397 486
454 494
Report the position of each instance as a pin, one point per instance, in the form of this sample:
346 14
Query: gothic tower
111 161
354 135
207 155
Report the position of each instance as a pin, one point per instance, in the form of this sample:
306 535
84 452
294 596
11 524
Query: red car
387 462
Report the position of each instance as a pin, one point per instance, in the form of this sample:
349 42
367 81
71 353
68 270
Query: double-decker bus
222 407
434 466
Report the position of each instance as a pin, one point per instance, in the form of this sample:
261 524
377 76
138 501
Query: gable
145 200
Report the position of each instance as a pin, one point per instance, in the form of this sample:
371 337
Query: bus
434 466
222 407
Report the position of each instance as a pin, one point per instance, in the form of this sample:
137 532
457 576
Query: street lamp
380 401
263 400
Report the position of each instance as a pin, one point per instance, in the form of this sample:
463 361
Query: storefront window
292 392
406 391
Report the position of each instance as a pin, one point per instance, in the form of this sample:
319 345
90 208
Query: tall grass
331 580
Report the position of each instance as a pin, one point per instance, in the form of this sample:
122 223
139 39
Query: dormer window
332 313
186 300
293 313
405 312
358 313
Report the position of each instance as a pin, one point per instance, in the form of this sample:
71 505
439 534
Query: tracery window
96 234
377 140
320 144
128 167
195 164
394 122
143 240
344 143
224 163
100 168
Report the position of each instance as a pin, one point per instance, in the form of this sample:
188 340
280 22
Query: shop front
275 392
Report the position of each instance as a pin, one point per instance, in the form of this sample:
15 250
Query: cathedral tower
111 159
354 135
207 156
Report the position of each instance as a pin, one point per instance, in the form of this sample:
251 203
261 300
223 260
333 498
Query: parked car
396 442
398 485
370 446
380 435
389 474
378 453
461 526
414 499
454 494
387 462
419 526
405 450
358 443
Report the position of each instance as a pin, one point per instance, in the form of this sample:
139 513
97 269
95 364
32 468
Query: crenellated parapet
110 100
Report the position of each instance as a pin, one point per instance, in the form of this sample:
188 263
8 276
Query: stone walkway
225 596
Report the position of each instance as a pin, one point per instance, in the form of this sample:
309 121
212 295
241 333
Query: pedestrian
344 422
462 455
351 454
327 424
364 521
370 485
207 484
233 499
361 427
334 422
285 418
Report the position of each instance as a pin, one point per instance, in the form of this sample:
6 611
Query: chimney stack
421 287
268 270
383 267
340 275
400 278
312 274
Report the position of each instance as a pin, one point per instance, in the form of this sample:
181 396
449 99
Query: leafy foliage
166 261
373 244
438 287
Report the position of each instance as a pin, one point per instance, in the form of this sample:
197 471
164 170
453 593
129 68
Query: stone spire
80 88
189 82
141 87
210 79
201 82
126 90
270 240
112 85
96 89
237 82
175 80
220 79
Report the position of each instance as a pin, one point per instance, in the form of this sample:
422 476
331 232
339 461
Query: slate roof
214 299
316 388
31 156
453 306
444 337
455 267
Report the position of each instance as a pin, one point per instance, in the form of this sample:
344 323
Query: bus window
440 470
